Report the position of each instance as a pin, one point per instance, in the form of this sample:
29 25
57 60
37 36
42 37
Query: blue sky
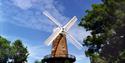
23 19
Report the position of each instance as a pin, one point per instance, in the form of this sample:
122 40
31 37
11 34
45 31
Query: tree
104 21
38 61
19 52
4 48
16 51
67 61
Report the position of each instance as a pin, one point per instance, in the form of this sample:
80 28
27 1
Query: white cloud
31 16
23 4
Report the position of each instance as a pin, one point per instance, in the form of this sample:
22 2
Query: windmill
59 53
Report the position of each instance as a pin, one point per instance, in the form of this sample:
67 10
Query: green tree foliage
67 61
38 61
15 51
4 48
20 52
103 21
99 22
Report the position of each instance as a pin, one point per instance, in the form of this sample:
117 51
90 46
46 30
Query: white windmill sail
61 29
52 19
70 23
75 42
53 36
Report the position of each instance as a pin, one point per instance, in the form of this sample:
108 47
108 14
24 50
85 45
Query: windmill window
62 46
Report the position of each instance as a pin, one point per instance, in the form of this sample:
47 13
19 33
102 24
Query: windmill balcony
50 58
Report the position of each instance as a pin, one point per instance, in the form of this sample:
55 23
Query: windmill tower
59 53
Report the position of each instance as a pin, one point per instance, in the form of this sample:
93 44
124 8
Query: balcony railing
60 56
